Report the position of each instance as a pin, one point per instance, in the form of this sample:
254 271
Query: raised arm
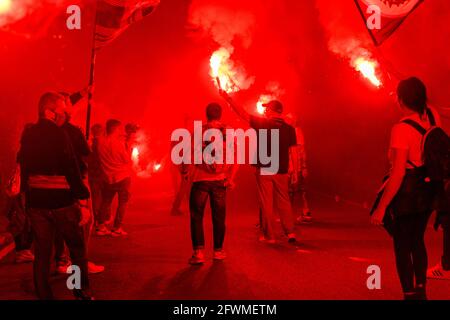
238 109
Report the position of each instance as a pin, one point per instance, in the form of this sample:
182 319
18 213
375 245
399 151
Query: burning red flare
368 68
135 158
222 70
157 167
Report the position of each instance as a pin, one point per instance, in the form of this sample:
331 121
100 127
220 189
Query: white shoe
95 268
63 269
119 233
438 273
102 230
197 258
220 255
264 239
24 256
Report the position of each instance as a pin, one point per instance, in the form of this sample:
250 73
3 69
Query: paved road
151 263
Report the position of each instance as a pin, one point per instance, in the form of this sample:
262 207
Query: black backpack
435 149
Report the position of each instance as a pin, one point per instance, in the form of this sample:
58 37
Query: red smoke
30 18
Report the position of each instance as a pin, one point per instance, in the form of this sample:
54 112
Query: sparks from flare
367 68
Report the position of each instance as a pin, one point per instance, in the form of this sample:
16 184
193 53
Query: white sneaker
24 256
63 268
197 258
264 239
95 268
438 273
119 233
220 255
102 230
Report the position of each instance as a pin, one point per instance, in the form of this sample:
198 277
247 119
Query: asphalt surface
329 262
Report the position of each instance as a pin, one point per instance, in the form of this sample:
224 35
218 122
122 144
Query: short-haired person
82 151
273 186
56 197
406 193
210 181
115 160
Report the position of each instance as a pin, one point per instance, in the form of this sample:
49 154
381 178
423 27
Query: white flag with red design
114 16
392 14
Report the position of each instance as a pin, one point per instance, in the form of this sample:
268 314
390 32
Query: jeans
24 240
200 192
273 191
19 223
297 195
410 251
446 255
45 223
95 186
122 189
61 253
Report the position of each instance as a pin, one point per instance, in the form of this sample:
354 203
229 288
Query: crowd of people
67 186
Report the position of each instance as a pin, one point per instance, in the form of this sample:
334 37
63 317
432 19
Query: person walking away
210 181
115 160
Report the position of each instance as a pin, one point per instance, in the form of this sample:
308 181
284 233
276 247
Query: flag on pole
390 13
114 16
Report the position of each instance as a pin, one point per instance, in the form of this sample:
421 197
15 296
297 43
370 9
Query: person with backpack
210 180
418 150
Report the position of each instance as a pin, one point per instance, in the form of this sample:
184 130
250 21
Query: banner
114 16
383 17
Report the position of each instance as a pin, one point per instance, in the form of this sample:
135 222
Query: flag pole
91 78
91 83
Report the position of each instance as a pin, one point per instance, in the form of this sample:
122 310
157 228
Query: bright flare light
157 166
368 69
260 108
222 70
263 99
135 156
5 5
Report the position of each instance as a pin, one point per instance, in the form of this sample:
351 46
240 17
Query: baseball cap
274 105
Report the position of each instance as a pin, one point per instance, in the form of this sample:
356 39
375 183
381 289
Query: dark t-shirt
79 144
287 139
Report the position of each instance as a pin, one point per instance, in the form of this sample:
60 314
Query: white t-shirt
406 137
